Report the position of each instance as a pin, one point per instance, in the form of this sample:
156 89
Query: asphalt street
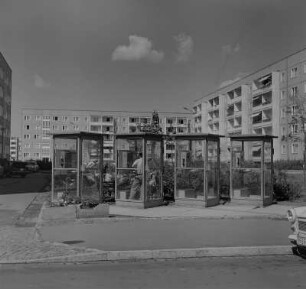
147 234
281 272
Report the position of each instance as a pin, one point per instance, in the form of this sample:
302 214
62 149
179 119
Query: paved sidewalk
26 243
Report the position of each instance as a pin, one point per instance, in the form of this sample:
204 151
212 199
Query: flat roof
79 134
197 135
252 137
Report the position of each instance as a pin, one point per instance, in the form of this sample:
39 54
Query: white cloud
230 81
139 48
39 82
184 47
229 49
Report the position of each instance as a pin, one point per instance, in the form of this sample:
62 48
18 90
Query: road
256 272
34 182
145 234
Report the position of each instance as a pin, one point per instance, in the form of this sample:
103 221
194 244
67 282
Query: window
46 124
46 117
36 155
55 118
55 127
27 127
294 128
133 119
283 149
27 145
65 127
76 127
293 72
36 136
26 136
283 94
132 129
283 112
45 134
26 117
76 118
170 147
293 91
95 118
181 121
293 109
95 128
26 155
295 148
283 76
65 118
37 127
37 117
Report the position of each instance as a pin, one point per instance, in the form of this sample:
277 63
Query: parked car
32 166
297 218
17 168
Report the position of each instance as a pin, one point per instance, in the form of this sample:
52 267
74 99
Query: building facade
38 125
15 149
5 107
260 103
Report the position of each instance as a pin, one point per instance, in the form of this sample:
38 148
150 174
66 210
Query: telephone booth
139 164
77 167
197 169
251 173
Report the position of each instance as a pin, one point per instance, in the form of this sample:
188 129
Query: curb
161 254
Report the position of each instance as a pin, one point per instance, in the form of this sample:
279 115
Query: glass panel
153 170
65 186
268 170
212 170
246 183
129 184
65 151
127 151
91 170
129 169
190 154
190 183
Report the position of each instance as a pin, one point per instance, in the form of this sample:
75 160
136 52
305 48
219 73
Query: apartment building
38 125
263 102
5 108
15 149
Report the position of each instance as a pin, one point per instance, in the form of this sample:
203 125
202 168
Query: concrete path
163 232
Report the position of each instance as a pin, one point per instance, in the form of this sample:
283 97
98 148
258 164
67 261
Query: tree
296 113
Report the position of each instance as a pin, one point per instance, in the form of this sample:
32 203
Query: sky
139 55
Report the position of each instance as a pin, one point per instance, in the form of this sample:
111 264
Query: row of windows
293 72
54 118
47 126
294 148
36 155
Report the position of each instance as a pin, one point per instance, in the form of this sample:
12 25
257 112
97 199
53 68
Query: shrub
168 181
288 165
283 189
224 180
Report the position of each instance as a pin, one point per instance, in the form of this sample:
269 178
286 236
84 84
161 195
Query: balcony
262 84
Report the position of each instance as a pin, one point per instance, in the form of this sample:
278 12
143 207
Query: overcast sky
139 54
